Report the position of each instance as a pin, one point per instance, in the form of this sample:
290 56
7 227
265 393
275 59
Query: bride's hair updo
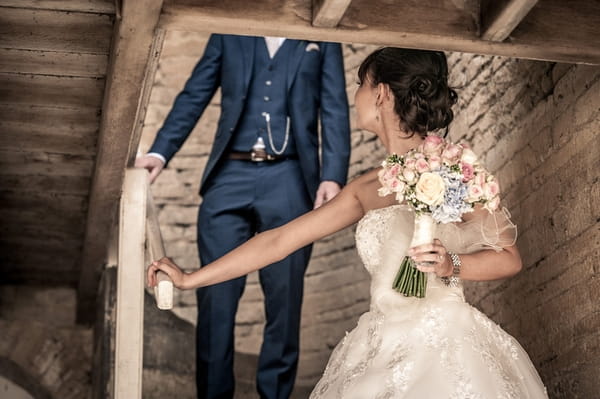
419 81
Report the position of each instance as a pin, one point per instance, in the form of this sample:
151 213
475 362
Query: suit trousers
242 199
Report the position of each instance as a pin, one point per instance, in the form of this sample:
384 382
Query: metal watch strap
452 281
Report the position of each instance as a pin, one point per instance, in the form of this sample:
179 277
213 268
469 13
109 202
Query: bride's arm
483 265
270 246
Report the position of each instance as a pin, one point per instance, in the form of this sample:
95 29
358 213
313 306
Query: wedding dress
430 348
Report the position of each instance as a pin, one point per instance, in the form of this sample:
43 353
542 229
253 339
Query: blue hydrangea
455 203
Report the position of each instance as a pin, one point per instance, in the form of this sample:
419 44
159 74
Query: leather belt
253 156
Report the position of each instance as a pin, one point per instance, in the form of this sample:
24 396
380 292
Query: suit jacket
316 87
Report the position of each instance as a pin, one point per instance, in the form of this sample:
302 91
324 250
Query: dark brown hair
419 81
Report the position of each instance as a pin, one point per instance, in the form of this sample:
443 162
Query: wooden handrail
138 232
129 326
163 291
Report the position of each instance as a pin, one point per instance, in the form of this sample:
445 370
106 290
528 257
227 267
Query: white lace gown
431 348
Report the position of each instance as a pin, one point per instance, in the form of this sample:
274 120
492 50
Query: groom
265 169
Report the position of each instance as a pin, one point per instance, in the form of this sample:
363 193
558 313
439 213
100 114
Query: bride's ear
384 94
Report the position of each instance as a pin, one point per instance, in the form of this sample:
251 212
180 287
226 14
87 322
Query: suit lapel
294 63
247 45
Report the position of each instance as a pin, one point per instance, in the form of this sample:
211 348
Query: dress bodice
383 237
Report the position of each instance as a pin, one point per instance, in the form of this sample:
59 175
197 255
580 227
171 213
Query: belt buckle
258 156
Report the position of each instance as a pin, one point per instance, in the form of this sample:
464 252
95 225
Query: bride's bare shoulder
365 188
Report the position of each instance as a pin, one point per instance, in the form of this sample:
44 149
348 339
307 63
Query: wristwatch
454 279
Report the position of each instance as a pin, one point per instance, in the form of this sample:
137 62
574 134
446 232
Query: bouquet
440 181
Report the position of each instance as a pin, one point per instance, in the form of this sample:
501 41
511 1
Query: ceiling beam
134 46
560 31
329 13
500 18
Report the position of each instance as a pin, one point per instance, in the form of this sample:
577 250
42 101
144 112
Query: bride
403 347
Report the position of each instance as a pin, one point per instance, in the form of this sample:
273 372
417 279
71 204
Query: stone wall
533 123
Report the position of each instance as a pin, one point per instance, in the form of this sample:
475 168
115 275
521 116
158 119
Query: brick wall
534 124
537 126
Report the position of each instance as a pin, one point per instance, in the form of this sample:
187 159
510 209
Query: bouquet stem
409 280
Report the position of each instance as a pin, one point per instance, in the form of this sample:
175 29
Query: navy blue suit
303 81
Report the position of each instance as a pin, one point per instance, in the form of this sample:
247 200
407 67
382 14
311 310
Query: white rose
430 189
468 156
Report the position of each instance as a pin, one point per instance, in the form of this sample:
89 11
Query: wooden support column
329 13
500 18
130 286
135 44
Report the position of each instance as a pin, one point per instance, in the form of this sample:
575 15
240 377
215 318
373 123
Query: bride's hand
432 258
166 265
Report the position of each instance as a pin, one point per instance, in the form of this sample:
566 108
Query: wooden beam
93 6
329 13
131 50
130 287
446 27
500 18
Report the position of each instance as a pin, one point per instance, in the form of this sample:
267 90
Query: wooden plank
90 6
30 275
30 265
130 286
56 91
53 184
329 13
61 221
500 18
130 54
442 26
52 63
55 30
147 84
49 202
41 163
552 23
22 233
45 128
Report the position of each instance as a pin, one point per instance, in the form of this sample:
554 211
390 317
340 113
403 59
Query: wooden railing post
163 291
130 286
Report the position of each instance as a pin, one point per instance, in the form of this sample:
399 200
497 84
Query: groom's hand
327 190
151 164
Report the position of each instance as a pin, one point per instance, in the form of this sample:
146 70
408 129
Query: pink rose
468 172
433 144
392 172
435 162
491 189
422 165
397 185
480 178
474 193
451 153
410 163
